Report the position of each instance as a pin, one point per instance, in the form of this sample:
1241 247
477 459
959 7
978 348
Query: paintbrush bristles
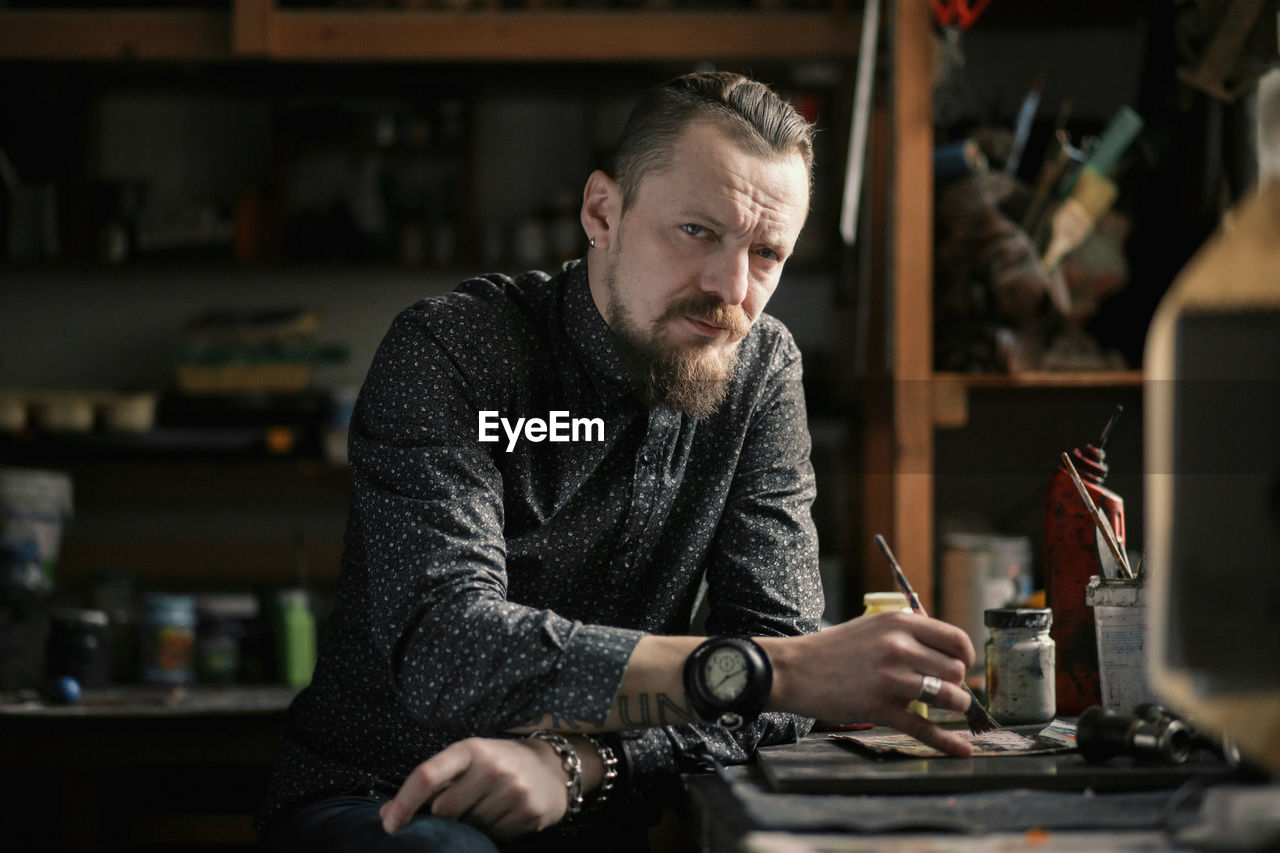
978 718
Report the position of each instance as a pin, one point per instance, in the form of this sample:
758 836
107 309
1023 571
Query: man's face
695 259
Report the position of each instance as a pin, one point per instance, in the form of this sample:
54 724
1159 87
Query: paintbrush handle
1109 536
1100 520
900 577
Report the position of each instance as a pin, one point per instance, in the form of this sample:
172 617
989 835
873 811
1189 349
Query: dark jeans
351 823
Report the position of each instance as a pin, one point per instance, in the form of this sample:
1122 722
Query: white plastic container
33 506
1120 616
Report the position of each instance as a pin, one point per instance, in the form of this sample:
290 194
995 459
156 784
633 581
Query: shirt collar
591 335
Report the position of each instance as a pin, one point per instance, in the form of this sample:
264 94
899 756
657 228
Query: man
498 581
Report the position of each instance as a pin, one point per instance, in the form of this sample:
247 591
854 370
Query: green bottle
295 637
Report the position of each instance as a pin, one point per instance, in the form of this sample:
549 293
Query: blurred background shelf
257 29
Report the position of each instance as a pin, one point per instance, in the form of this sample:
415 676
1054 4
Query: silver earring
592 242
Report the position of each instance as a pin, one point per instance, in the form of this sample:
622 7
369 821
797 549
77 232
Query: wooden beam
251 27
561 36
912 314
95 34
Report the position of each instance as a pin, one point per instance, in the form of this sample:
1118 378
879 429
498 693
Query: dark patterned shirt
487 583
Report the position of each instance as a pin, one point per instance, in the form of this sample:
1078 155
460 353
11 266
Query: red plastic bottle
1071 556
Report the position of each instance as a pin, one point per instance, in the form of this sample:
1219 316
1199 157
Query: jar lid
883 598
78 616
174 604
1018 617
229 605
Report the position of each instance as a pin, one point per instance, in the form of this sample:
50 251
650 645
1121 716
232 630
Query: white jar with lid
891 602
1020 665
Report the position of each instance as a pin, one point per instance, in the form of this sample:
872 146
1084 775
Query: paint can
33 506
1120 619
78 646
1020 665
167 638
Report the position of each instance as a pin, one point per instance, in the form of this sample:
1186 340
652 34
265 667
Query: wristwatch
727 680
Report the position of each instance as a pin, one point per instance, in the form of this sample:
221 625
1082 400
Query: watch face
726 673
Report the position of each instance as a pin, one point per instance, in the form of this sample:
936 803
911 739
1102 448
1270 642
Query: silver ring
930 687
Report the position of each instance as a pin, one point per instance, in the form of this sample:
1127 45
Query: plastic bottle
1071 558
891 602
295 637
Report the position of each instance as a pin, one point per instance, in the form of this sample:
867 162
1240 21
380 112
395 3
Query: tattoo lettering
668 711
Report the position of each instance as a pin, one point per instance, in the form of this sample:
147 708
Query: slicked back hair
749 112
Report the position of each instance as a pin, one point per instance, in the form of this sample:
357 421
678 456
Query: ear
601 208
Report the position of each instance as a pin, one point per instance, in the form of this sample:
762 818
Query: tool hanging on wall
951 95
856 162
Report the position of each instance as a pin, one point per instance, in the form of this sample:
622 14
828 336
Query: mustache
711 310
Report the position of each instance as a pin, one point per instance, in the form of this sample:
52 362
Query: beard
691 381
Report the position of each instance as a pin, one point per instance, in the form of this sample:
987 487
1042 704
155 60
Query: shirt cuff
590 672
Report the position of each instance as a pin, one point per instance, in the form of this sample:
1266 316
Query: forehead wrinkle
754 210
733 190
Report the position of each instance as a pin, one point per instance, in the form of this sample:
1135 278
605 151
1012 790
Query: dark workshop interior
211 211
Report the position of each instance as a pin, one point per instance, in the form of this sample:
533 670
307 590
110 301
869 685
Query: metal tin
167 639
77 646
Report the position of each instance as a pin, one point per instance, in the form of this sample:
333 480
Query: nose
728 277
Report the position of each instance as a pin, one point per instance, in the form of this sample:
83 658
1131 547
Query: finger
952 697
506 815
930 733
908 687
473 797
944 638
924 660
500 807
424 782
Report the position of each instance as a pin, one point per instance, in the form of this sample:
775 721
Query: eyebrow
703 216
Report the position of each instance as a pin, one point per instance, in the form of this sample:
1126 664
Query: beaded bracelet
570 763
609 761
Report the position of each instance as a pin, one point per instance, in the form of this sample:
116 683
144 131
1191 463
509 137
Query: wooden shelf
951 390
1045 379
258 30
560 36
123 34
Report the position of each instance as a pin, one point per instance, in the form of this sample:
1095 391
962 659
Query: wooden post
912 311
251 27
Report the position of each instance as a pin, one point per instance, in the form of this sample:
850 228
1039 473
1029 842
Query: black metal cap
1017 617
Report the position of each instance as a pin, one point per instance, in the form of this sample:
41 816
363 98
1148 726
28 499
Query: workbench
819 795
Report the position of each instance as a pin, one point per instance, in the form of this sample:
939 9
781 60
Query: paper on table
998 742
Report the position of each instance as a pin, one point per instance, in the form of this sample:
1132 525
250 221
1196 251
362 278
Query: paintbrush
1108 535
979 719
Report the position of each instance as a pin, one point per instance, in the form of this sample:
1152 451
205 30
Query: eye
768 254
695 230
